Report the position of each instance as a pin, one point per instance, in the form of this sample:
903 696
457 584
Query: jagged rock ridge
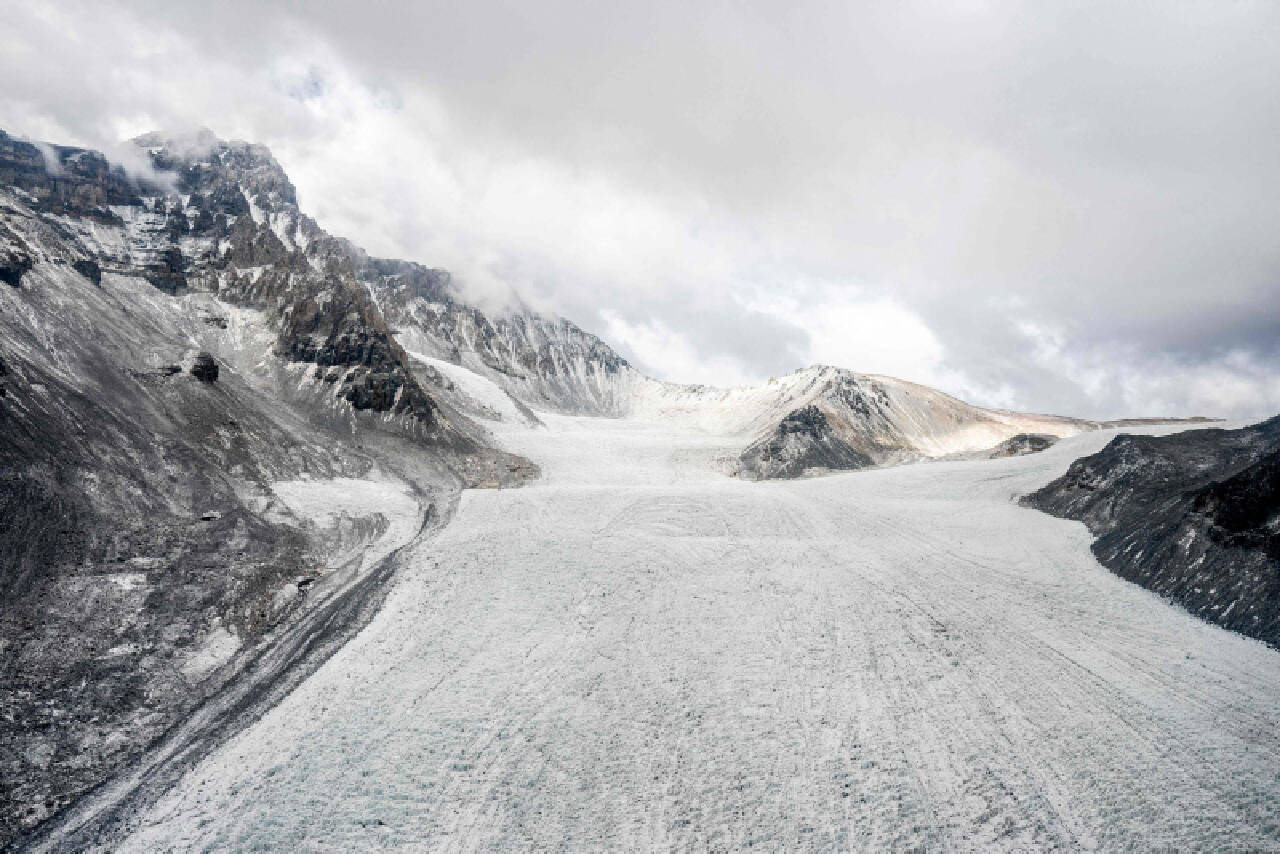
546 362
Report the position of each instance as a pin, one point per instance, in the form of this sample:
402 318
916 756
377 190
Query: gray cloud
1063 207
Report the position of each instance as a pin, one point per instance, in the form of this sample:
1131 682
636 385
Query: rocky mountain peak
221 218
202 163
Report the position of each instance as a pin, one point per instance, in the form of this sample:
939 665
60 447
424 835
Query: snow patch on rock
490 399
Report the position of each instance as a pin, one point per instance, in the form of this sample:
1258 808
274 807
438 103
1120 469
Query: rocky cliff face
68 181
1194 516
172 349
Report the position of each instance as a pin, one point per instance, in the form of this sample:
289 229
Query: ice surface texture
638 654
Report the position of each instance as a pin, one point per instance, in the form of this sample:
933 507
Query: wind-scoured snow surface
637 653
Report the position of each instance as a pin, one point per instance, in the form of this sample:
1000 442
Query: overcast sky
1058 207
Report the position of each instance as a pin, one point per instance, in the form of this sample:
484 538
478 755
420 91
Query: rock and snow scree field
638 653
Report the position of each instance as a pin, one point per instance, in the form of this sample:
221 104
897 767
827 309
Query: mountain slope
885 421
550 364
185 362
1194 516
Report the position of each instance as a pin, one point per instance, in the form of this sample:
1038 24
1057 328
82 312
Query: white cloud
667 354
683 175
1124 380
52 164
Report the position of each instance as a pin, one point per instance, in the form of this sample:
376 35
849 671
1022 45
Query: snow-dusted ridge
813 420
933 422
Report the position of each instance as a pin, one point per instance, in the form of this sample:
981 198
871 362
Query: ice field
639 653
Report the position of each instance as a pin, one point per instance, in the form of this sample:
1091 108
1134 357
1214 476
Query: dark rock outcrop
1194 516
349 332
802 442
89 269
1021 445
205 368
168 273
1244 510
12 268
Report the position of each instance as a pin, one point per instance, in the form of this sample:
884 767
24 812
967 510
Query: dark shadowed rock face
349 332
168 273
802 442
89 269
1244 511
1194 516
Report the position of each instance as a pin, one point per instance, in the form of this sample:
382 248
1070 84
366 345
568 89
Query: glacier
636 652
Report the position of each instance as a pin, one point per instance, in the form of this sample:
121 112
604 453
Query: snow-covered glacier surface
637 653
